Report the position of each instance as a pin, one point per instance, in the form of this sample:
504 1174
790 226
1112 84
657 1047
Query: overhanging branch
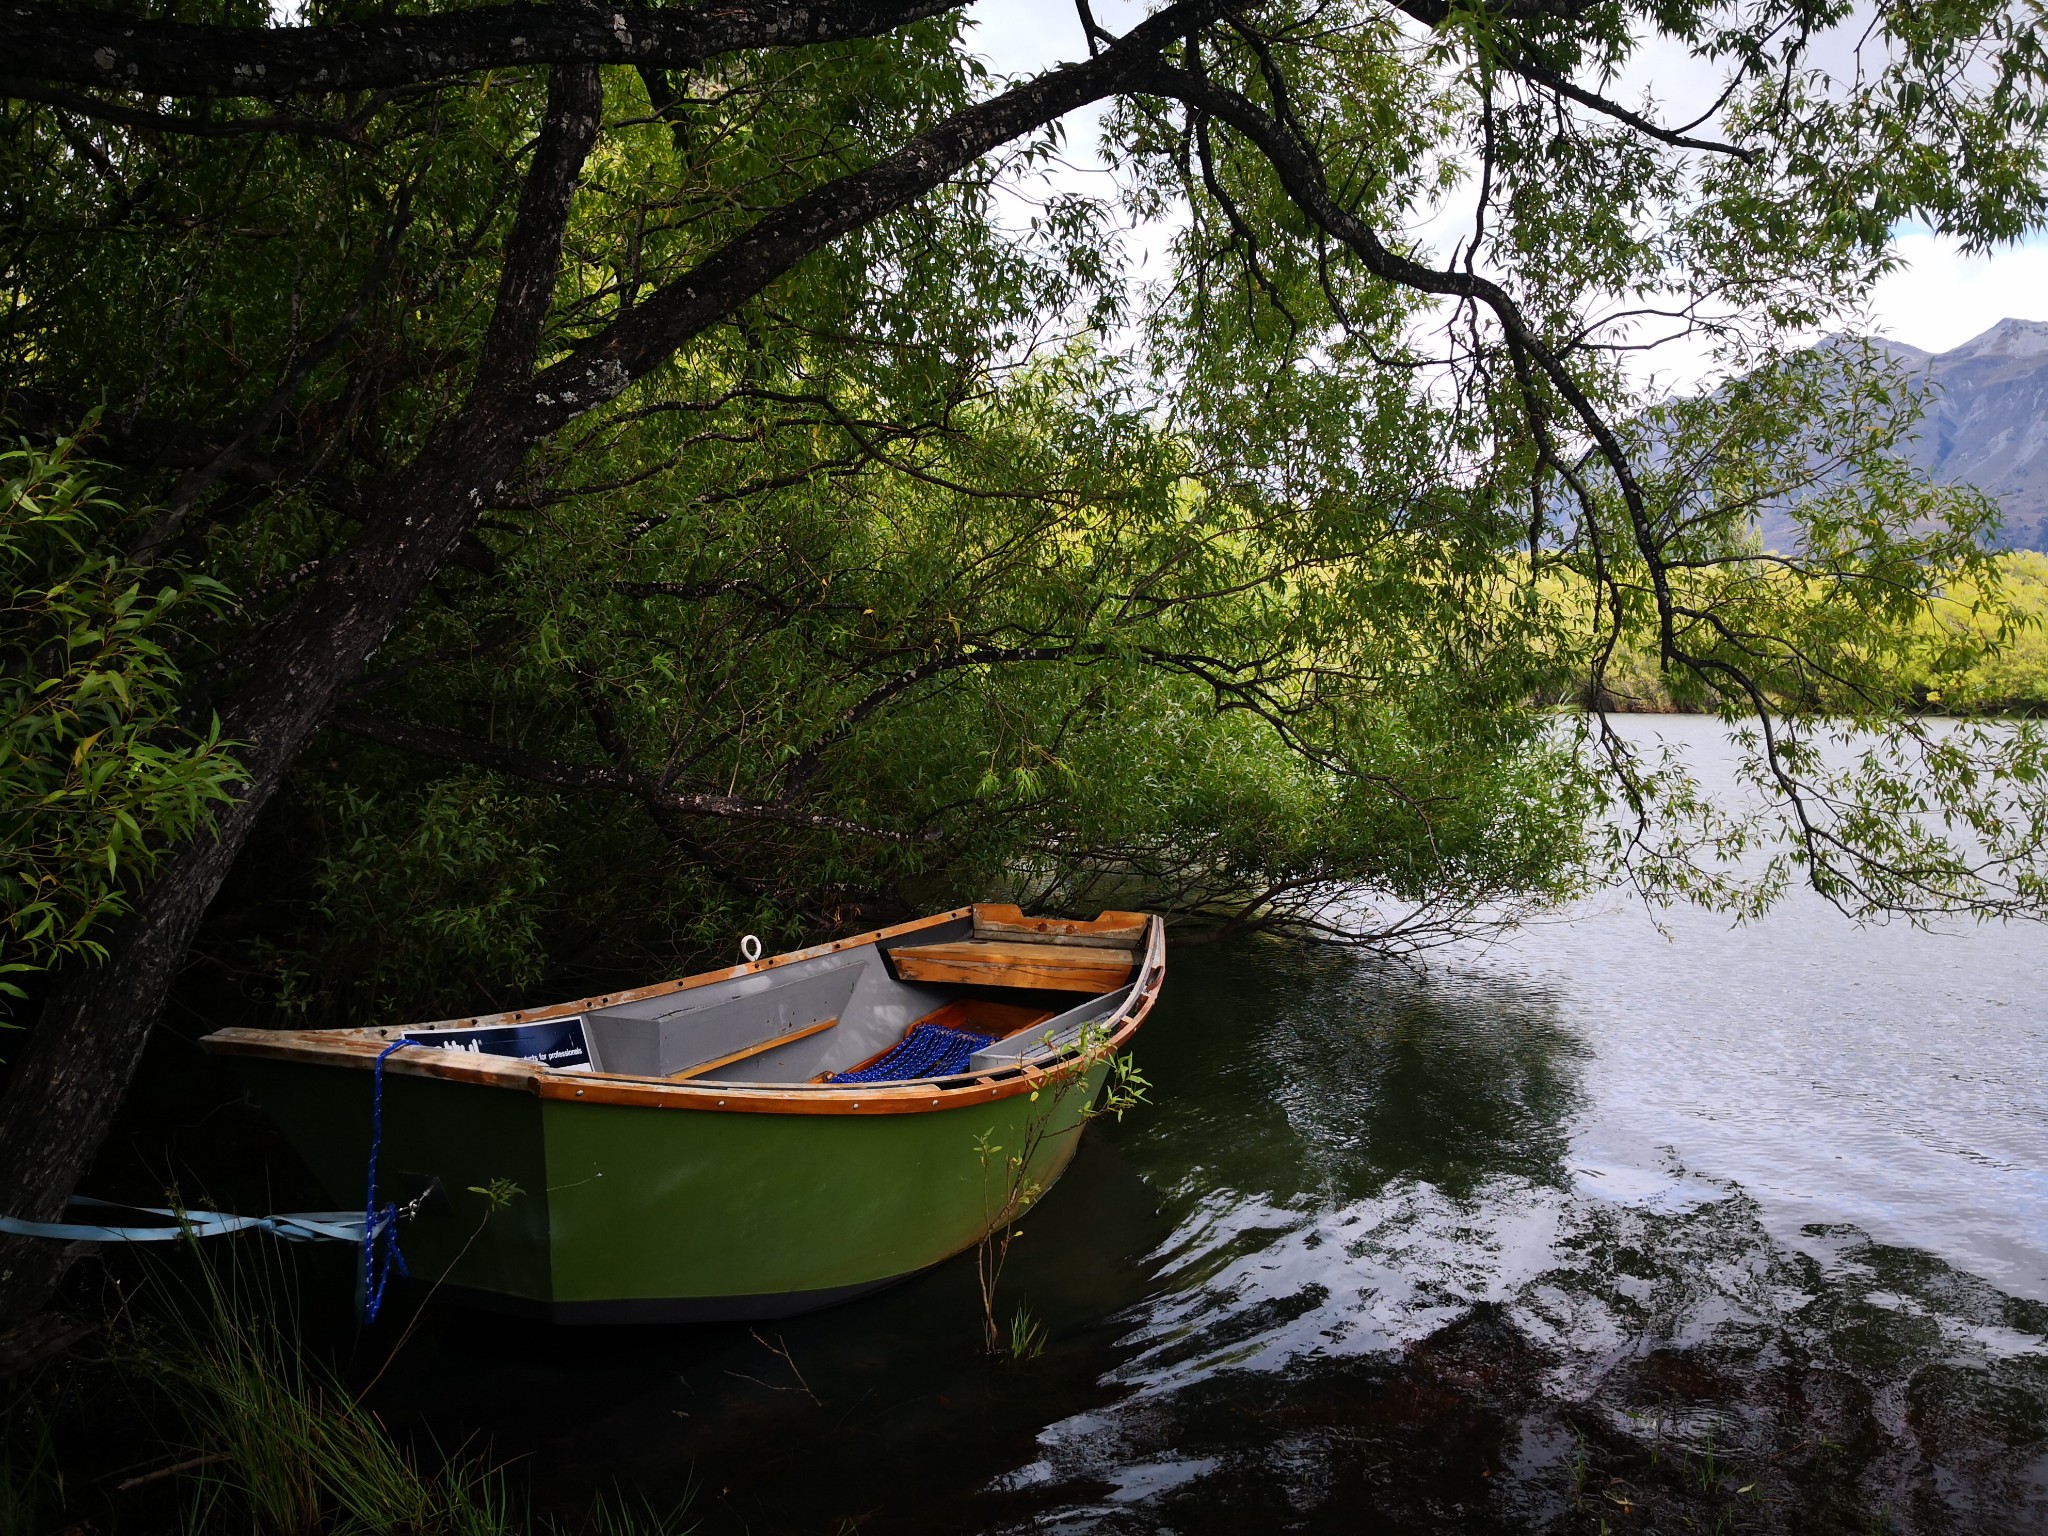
1299 168
647 335
454 747
74 45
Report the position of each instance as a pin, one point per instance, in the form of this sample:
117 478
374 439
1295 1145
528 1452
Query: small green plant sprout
1010 1183
1126 1089
1006 1172
1027 1335
498 1194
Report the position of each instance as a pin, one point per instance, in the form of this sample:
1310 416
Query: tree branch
644 337
533 253
348 130
452 746
77 45
1550 79
1301 174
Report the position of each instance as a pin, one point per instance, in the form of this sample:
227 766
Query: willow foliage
957 561
96 769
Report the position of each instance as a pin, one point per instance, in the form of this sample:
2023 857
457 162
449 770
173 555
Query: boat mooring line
297 1227
380 1227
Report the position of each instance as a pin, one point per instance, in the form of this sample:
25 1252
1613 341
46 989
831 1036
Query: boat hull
627 1213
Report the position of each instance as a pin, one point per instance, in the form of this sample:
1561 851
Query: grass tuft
1027 1335
31 1484
279 1446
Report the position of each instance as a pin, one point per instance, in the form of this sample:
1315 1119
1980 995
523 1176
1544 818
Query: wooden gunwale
683 983
359 1048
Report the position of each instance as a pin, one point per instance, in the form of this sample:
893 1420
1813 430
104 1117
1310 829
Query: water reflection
1407 1298
1290 1075
1357 1155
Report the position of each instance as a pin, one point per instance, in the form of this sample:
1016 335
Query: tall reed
279 1446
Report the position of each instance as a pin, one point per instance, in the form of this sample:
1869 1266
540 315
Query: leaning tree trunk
63 1091
64 1088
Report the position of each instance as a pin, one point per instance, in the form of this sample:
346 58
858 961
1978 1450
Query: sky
1942 298
1938 299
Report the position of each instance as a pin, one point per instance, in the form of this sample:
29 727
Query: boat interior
974 994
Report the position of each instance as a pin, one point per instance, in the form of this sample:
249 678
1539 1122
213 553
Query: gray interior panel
874 1018
660 1036
1060 1031
692 1028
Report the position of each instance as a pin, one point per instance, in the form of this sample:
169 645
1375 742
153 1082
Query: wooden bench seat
1002 963
1111 930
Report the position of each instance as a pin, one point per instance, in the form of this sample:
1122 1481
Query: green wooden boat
747 1143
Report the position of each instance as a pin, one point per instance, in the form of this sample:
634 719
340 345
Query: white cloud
1941 298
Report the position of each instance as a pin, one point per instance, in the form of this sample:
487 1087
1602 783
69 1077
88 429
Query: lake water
1606 1226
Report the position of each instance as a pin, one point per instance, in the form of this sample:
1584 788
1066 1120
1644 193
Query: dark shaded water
1716 1231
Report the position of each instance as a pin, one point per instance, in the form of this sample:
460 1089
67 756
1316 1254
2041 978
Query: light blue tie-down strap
298 1227
375 1230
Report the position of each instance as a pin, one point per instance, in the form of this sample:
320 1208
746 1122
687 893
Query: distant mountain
1986 425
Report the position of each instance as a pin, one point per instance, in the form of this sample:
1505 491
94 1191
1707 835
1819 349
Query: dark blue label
556 1043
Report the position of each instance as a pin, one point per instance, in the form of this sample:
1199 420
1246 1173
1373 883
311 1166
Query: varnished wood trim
1109 930
756 1049
359 1049
1007 963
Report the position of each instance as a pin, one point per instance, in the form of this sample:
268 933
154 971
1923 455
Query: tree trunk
64 1088
62 1093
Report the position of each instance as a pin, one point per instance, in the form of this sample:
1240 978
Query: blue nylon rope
929 1050
380 1225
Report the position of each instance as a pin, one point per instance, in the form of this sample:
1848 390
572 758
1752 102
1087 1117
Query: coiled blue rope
380 1224
929 1050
